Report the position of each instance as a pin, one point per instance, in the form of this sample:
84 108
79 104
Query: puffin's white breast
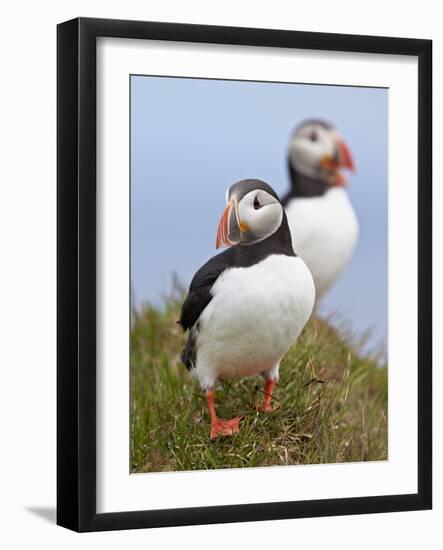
324 233
255 315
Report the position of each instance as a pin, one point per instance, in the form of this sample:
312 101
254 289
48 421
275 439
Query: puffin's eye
257 204
313 136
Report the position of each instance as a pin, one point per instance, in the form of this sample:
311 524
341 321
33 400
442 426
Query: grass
330 405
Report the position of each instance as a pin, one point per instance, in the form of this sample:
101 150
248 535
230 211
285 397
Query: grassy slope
330 405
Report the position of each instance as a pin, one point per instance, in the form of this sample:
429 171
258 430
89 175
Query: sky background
192 138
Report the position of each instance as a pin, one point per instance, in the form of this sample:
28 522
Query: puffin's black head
253 212
316 150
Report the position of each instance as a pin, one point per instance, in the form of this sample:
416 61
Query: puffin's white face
261 213
249 219
319 152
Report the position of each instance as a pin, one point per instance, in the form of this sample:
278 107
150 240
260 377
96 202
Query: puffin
321 218
243 311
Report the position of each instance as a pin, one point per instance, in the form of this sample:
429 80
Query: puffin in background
321 218
247 305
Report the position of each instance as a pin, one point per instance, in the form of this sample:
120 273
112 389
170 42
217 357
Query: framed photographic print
244 274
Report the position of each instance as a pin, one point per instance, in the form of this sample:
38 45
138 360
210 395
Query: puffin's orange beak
223 227
229 227
341 159
344 156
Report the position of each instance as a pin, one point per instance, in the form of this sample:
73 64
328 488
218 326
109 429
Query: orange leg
269 386
219 426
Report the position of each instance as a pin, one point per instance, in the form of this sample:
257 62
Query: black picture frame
76 273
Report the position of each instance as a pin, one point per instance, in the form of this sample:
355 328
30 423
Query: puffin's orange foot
225 427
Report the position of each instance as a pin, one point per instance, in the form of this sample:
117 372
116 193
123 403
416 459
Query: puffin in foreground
323 224
243 310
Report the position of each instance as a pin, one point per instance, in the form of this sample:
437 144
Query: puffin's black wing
200 290
198 298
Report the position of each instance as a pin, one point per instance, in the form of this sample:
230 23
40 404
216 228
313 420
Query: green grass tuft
330 405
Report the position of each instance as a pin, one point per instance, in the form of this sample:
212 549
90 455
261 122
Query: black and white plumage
321 218
243 310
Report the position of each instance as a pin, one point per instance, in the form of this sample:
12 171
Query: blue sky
192 138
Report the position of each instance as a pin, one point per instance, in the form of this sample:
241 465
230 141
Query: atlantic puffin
321 218
243 310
